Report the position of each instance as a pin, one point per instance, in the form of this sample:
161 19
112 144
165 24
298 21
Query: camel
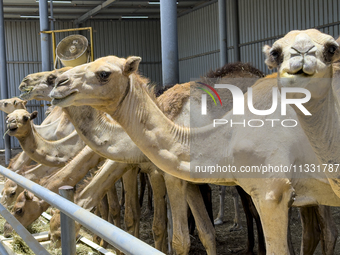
34 173
112 85
49 153
12 104
74 115
309 61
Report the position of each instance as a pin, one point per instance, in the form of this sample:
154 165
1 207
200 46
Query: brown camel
112 85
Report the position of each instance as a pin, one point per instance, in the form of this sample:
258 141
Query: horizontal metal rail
112 234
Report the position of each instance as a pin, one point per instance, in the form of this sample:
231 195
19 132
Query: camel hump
237 69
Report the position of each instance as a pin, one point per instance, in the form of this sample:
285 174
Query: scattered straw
19 246
81 249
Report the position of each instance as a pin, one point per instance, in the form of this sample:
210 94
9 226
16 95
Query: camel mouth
299 73
26 92
56 101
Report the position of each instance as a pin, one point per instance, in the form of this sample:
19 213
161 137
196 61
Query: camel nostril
63 82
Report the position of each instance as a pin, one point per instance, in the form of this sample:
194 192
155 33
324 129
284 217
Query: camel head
38 85
19 122
55 229
304 59
27 208
12 104
10 193
101 83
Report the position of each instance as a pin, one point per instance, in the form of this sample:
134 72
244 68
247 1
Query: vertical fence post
68 232
3 78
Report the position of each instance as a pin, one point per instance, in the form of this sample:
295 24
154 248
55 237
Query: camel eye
18 211
275 53
5 104
25 118
332 49
104 75
12 194
51 79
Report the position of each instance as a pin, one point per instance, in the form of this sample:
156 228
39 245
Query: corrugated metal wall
261 22
120 38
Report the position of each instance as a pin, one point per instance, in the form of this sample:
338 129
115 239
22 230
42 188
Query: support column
236 33
3 78
45 49
222 31
44 39
170 69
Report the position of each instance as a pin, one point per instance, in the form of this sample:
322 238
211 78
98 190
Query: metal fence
112 234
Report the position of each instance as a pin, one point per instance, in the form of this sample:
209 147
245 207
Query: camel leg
132 209
176 190
273 210
329 232
103 208
159 219
251 213
237 222
114 207
219 219
205 228
249 217
310 230
22 160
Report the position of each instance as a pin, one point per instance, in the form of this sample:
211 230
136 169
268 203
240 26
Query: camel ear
270 62
33 115
28 195
24 102
131 65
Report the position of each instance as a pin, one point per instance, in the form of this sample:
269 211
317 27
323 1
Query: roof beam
94 11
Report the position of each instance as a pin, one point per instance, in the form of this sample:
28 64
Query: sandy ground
227 242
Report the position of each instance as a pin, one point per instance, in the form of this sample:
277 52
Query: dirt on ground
227 242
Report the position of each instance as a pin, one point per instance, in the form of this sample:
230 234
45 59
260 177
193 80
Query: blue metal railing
112 234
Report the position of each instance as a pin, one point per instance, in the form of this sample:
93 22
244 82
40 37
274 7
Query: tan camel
307 62
112 85
12 104
132 222
50 153
34 173
71 174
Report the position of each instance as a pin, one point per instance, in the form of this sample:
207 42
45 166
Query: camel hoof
235 227
218 221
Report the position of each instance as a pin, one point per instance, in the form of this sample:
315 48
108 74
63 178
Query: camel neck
50 153
322 127
103 135
162 141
